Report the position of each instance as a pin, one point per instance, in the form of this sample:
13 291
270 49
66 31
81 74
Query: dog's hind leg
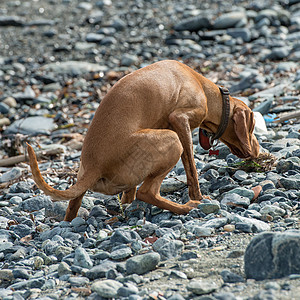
128 196
73 208
162 149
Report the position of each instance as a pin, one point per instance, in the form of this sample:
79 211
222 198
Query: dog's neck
214 114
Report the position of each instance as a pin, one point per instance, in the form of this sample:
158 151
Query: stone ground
56 59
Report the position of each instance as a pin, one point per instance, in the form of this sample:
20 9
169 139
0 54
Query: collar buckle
224 90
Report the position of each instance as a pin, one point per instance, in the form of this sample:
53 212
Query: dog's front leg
180 121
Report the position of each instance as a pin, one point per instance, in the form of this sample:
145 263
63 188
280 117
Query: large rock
273 255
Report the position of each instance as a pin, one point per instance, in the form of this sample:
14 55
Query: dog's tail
75 191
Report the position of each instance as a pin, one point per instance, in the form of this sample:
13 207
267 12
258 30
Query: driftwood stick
288 116
7 162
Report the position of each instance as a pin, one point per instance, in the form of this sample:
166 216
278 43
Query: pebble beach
58 59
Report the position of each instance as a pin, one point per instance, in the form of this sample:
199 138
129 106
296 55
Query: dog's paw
206 197
190 205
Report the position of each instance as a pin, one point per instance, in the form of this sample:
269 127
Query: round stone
141 264
106 288
201 287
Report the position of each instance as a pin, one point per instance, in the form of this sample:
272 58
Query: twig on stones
11 161
288 116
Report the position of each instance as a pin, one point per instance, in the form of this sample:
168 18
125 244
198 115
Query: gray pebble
31 126
10 175
242 192
272 210
168 248
230 277
121 236
209 208
82 258
99 271
78 281
120 254
233 200
106 288
63 269
229 20
127 290
36 203
201 287
141 264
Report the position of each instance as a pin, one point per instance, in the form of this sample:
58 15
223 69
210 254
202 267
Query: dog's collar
207 139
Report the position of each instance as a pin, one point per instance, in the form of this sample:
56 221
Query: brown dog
141 129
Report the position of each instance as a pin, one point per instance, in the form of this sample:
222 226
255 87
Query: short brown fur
141 129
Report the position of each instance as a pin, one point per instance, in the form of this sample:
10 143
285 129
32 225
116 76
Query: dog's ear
243 120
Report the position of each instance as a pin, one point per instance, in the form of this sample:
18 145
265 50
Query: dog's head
239 135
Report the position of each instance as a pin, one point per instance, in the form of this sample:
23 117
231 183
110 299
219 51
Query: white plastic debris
260 124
